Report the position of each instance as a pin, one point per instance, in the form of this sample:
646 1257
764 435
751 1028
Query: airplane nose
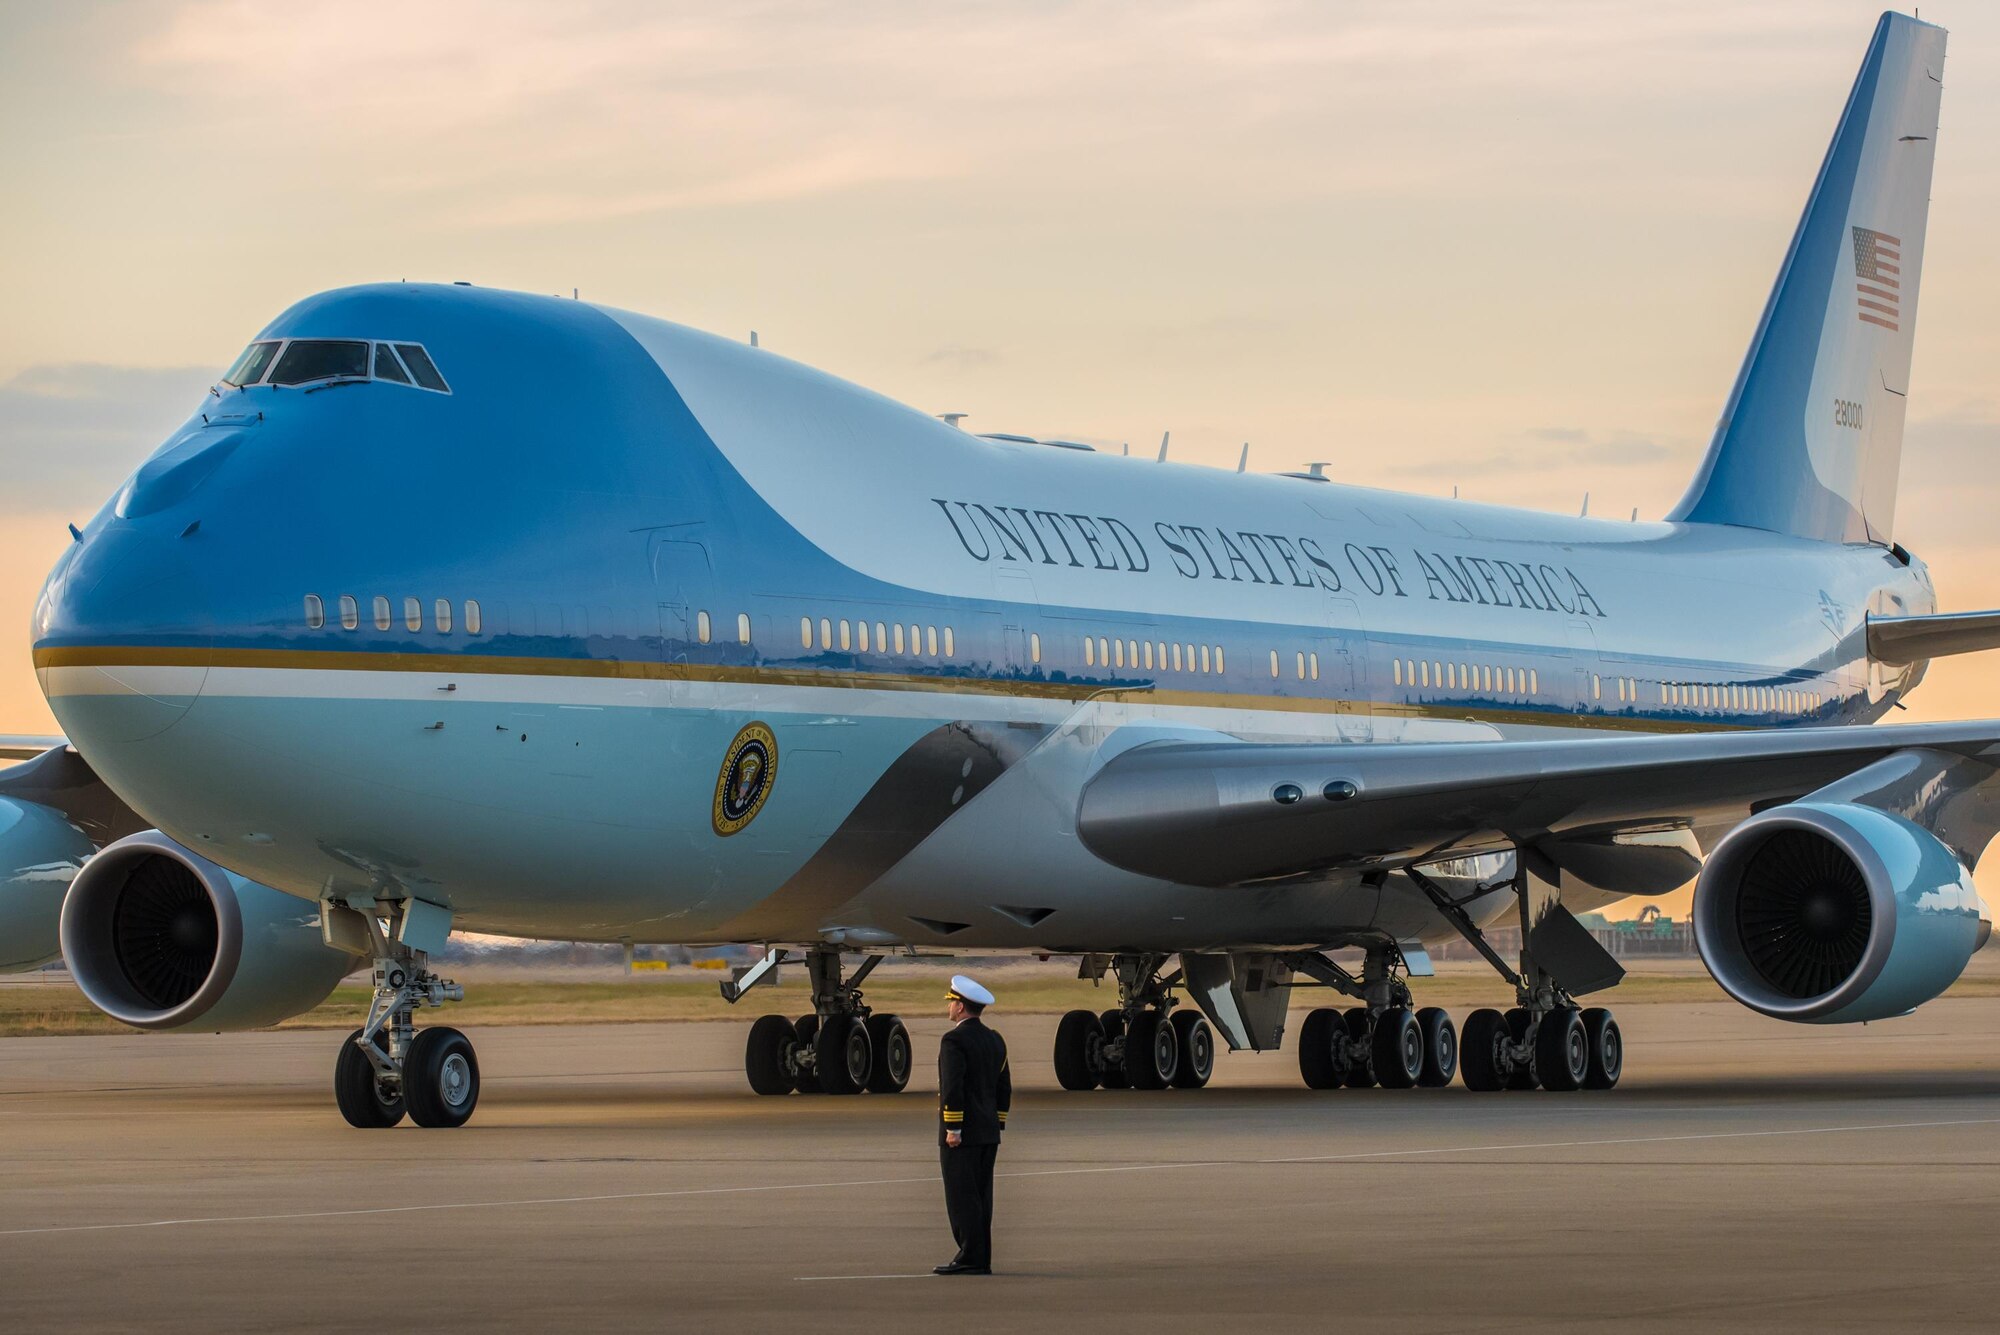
123 634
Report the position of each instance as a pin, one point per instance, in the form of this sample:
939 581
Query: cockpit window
387 367
250 367
422 368
308 359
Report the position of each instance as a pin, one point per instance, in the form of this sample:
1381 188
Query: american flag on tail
1878 267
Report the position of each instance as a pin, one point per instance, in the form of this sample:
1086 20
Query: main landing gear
841 1048
388 1068
1546 1040
1383 1041
1145 1043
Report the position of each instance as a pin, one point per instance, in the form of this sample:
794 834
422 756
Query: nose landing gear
841 1048
388 1068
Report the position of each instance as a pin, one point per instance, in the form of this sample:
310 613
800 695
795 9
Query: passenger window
825 633
382 621
1312 665
806 632
250 368
899 637
1218 658
422 368
1300 665
309 359
1089 652
881 636
1437 673
1397 671
1161 655
350 612
701 627
315 612
1177 658
472 623
949 651
1423 674
1204 658
861 636
916 640
387 367
1274 667
1534 682
413 614
1034 647
930 641
1147 646
846 639
1118 653
1596 687
442 610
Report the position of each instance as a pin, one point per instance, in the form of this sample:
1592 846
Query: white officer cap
965 989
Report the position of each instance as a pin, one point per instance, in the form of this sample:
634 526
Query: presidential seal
748 771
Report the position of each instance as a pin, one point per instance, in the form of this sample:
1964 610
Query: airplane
453 609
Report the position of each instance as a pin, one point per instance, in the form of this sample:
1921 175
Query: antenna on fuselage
952 420
1584 513
1126 449
1243 459
1165 436
753 338
1635 514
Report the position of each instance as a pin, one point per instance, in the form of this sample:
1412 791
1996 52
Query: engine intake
1831 912
159 937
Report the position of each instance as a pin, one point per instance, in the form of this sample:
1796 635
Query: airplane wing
1218 813
15 747
1898 640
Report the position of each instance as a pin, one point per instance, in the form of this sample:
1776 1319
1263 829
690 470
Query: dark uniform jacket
974 1088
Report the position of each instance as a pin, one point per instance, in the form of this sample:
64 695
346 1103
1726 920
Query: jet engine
1826 913
161 938
40 852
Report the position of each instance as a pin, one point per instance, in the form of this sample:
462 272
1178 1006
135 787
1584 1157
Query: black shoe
961 1268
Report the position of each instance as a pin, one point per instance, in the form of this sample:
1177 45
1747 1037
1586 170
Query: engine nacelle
40 852
161 938
1827 913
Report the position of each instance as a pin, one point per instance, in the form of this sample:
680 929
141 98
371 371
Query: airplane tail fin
1812 435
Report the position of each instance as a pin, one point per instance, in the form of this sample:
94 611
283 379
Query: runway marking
608 1197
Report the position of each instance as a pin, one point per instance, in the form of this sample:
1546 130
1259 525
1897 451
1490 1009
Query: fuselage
494 646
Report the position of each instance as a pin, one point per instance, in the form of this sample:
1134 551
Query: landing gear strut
841 1048
388 1068
1545 1040
1383 1041
1145 1043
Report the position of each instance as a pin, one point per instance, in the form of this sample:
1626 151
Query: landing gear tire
1562 1050
1440 1048
805 1077
1196 1042
1396 1049
441 1078
1360 1026
1519 1024
1152 1051
771 1040
363 1100
1114 1076
1079 1051
890 1042
1479 1054
843 1055
1607 1049
1323 1049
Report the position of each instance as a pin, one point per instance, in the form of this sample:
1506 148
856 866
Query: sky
1513 248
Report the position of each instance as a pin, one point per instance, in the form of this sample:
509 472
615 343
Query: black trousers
968 1200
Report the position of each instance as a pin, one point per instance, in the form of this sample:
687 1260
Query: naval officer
973 1093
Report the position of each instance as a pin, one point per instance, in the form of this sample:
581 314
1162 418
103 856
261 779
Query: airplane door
1344 665
1019 603
683 584
1583 656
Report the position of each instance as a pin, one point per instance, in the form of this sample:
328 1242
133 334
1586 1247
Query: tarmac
1748 1175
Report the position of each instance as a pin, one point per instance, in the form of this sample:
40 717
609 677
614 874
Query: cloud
963 358
71 433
